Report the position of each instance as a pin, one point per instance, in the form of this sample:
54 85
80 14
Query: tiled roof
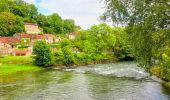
9 40
31 36
49 35
20 52
35 36
73 33
30 24
25 35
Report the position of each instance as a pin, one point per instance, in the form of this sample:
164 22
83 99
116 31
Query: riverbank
157 71
14 64
6 69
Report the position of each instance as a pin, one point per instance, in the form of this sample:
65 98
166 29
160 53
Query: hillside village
21 44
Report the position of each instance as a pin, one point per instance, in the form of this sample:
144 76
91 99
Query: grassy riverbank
7 69
11 64
16 60
162 73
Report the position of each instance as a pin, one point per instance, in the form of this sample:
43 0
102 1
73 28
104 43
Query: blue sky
85 12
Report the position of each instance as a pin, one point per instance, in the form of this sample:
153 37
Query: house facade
50 38
72 35
31 28
7 44
12 45
29 38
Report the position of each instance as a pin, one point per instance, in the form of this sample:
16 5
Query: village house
29 38
72 35
22 52
50 38
11 45
32 28
7 44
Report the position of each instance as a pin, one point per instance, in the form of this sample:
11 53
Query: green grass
14 64
6 69
16 59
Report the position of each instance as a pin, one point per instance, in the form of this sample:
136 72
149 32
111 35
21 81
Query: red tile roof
49 35
9 40
31 36
20 52
73 33
30 23
34 36
25 35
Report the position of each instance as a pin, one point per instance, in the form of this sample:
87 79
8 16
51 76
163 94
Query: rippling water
79 84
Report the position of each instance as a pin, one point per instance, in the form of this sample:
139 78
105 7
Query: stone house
72 35
50 38
29 39
22 52
7 44
32 28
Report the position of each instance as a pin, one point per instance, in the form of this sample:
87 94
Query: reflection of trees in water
21 84
104 88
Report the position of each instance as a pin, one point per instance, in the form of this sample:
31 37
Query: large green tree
29 13
43 55
144 19
10 24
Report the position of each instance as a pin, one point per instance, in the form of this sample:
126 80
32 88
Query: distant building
72 35
22 52
29 38
50 38
7 44
32 28
58 39
12 45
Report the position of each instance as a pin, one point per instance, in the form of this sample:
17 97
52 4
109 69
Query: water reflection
108 88
61 85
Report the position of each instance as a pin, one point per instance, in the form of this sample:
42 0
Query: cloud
30 1
84 12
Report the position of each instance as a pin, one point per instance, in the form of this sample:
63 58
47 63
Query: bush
43 54
165 67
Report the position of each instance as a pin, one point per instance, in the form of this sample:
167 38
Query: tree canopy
20 11
145 20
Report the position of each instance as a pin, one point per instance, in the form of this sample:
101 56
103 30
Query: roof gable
9 40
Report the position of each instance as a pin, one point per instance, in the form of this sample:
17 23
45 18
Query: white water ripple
127 69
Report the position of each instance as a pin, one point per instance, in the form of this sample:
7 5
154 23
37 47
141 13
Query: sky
85 12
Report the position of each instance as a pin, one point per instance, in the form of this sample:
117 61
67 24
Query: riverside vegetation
146 36
147 24
99 44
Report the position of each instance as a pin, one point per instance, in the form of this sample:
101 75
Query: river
118 81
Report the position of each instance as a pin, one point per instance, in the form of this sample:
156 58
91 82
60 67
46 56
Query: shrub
43 55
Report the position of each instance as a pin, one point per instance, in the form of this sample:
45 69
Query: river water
119 81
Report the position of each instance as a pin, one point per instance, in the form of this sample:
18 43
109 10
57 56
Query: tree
43 54
10 24
143 18
65 54
55 23
69 26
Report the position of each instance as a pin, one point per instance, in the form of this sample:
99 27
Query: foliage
10 24
54 24
95 45
43 54
122 48
144 20
65 56
13 14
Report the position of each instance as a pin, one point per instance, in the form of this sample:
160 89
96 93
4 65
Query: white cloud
84 12
30 1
